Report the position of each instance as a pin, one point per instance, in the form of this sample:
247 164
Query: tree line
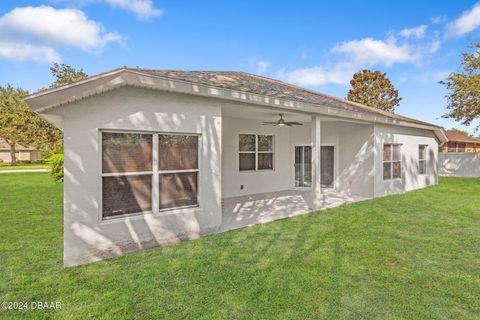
19 125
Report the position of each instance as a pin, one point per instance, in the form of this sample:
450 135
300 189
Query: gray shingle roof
251 83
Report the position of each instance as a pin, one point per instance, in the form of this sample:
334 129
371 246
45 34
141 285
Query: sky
314 44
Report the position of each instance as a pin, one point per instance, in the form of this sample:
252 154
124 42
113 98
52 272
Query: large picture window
392 161
255 152
129 172
178 168
422 159
126 173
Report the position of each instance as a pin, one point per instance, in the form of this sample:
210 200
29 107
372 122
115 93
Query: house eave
46 100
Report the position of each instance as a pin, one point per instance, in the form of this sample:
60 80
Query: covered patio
244 211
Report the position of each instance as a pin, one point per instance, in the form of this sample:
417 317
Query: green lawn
23 166
413 256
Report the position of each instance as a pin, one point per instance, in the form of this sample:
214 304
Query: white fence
459 164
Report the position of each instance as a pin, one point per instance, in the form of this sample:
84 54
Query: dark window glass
247 161
178 189
422 159
387 170
396 170
126 152
246 142
422 166
126 194
265 161
177 152
265 143
387 152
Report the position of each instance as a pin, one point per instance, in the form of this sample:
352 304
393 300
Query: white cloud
438 19
352 56
260 66
143 9
24 51
434 46
417 32
425 77
35 32
369 52
467 22
304 55
339 73
263 66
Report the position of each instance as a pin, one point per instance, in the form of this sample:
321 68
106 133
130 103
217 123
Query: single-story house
21 153
155 157
459 142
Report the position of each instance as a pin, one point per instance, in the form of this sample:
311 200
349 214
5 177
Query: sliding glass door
303 166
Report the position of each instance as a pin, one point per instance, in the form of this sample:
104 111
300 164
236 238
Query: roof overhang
44 101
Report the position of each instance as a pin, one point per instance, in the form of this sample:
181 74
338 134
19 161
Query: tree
464 97
65 74
16 119
52 138
374 89
20 125
465 133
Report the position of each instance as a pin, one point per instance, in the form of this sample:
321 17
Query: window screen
422 159
392 161
126 173
178 169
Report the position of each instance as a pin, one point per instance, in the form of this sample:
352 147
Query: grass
23 166
412 256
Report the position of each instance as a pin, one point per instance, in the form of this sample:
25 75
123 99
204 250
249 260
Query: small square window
422 159
255 152
392 161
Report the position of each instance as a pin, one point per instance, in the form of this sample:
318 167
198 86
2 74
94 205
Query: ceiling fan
282 123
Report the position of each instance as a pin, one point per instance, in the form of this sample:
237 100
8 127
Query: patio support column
316 181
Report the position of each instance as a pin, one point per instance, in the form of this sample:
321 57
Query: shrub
56 167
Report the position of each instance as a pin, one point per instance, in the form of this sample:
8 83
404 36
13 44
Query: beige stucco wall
410 139
353 156
89 238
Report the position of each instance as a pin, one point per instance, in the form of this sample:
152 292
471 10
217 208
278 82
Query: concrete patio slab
239 212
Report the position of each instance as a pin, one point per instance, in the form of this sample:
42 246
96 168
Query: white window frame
159 172
256 151
424 160
155 174
391 161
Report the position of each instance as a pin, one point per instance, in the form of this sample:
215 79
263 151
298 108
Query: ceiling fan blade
269 122
293 123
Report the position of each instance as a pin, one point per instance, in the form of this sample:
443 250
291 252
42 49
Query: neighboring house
155 157
21 152
458 142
